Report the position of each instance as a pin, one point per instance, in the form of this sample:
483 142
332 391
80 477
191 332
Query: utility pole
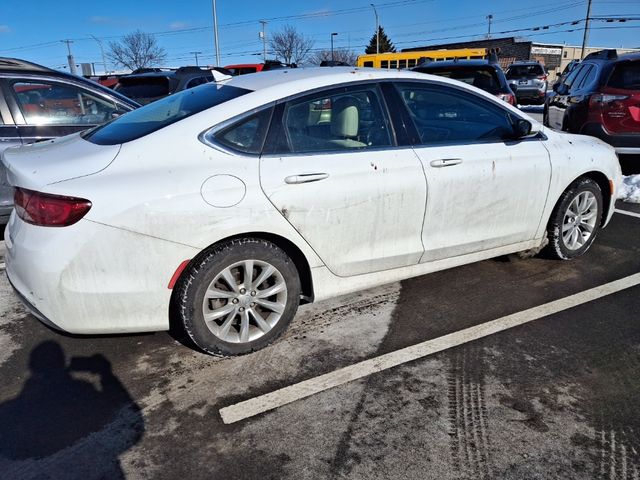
70 59
215 33
586 30
489 19
104 59
263 36
196 54
377 28
332 35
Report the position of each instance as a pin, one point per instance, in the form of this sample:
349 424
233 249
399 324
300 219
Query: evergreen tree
385 43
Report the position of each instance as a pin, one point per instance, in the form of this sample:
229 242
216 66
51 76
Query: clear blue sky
33 29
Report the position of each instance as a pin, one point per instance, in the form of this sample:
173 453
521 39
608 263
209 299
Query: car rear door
332 168
483 192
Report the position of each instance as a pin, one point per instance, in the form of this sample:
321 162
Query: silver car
530 80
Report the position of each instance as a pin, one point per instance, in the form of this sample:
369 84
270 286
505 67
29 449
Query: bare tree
137 50
290 46
339 55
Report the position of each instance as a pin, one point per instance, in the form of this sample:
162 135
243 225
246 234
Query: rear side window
626 76
52 103
525 71
162 113
445 115
245 135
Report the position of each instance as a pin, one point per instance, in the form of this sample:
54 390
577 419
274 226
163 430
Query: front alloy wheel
575 221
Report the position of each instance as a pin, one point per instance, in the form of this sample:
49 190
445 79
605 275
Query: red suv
600 97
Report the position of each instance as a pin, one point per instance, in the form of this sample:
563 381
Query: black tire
557 247
197 279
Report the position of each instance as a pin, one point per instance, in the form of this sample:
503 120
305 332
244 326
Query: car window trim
5 111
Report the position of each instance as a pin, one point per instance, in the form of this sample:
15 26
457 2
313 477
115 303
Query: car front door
332 168
45 108
483 192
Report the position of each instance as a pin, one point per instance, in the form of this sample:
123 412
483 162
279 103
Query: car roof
525 62
318 77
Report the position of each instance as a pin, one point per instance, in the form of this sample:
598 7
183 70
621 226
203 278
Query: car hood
43 163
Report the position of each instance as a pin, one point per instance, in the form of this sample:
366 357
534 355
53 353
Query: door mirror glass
522 128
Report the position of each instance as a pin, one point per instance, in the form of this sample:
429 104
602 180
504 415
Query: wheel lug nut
253 304
243 291
253 293
235 300
241 309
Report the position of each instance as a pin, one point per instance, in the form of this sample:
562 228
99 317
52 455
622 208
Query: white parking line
263 403
625 212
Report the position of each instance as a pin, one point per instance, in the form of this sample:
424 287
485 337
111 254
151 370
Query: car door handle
446 162
305 178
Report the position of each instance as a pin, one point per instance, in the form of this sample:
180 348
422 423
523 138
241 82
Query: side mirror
523 128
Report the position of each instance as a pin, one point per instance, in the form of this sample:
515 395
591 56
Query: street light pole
585 37
332 35
70 59
196 54
215 33
264 40
490 19
377 28
104 59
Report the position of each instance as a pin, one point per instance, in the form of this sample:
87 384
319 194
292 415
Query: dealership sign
546 50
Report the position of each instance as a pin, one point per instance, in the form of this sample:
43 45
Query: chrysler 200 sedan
232 203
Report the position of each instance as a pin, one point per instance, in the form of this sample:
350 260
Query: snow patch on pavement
630 189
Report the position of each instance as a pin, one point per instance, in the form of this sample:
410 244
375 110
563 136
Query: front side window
164 112
341 119
51 103
444 115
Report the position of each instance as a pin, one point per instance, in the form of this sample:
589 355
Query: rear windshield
484 78
626 75
524 71
157 115
144 87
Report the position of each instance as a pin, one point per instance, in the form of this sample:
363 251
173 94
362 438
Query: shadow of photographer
57 409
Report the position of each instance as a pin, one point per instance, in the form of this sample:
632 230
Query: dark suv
600 97
37 103
486 75
153 84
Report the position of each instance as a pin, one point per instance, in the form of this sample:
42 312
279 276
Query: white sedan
224 207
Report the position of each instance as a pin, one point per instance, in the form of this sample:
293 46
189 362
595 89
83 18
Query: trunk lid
38 164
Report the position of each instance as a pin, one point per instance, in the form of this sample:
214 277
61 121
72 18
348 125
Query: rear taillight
47 210
600 99
542 77
509 98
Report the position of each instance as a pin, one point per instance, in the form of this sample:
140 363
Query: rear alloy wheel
576 220
239 298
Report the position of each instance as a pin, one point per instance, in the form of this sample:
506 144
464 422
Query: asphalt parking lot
555 397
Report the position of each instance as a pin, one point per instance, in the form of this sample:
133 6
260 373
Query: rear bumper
625 144
90 278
